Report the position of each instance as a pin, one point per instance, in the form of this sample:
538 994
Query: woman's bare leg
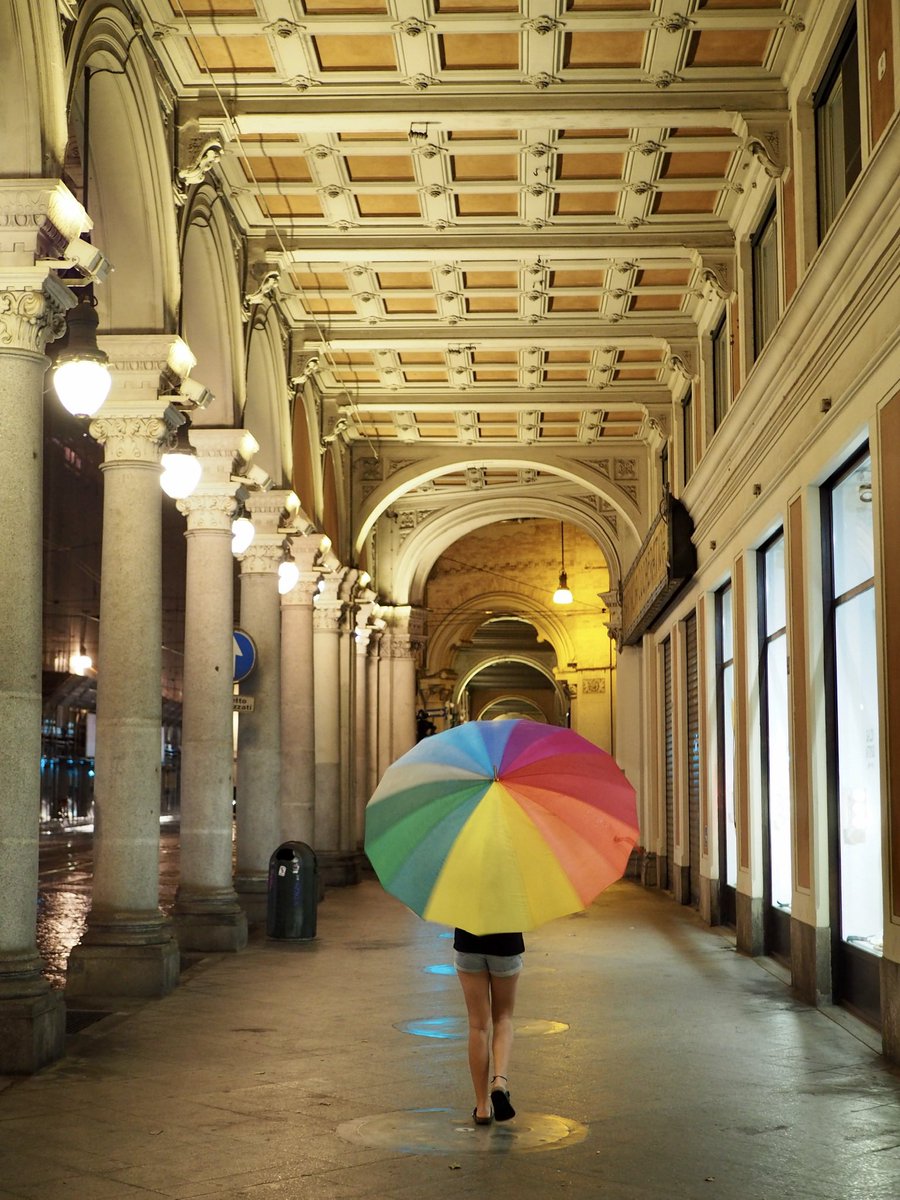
503 1002
476 988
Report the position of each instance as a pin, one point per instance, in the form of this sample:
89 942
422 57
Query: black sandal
503 1110
481 1120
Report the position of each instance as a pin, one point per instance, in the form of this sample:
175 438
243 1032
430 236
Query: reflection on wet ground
64 892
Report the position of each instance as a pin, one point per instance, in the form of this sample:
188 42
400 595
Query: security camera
88 259
259 477
194 391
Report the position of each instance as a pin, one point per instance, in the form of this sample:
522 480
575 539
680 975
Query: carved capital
263 557
209 511
31 318
135 439
328 615
304 592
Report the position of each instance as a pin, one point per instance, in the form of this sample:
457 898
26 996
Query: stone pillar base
99 971
811 962
252 894
749 921
710 908
890 1010
340 868
32 1032
211 931
681 883
649 875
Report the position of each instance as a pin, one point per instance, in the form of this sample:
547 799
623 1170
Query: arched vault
401 482
460 624
409 572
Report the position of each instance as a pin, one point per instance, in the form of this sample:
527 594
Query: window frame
765 291
720 371
846 54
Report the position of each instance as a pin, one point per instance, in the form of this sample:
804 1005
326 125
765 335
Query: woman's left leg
476 986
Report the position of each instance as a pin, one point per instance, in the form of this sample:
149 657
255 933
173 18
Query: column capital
209 510
328 607
136 439
304 551
269 509
264 556
32 309
304 592
213 504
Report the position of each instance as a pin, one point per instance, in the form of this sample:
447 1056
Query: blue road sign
244 654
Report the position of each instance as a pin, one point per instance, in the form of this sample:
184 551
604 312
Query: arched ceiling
494 223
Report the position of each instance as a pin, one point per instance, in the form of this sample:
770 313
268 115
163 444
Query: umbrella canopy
497 826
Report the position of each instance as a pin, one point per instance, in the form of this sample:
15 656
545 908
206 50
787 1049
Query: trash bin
293 893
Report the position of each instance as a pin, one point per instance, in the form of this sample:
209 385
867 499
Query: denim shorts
500 965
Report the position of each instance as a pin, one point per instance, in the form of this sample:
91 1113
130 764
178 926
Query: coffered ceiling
494 221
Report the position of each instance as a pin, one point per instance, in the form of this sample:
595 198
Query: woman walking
488 969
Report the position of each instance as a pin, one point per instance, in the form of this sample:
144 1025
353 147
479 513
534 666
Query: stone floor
651 1063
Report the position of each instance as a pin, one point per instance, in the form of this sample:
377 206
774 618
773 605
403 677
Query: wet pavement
64 890
651 1062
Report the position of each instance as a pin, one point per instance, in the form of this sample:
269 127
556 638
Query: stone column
385 701
346 720
361 710
259 731
32 1017
207 914
327 617
373 716
298 698
129 947
406 642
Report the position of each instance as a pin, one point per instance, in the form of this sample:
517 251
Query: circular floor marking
457 1027
452 1131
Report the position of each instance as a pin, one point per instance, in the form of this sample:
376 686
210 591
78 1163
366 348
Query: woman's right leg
476 986
503 1002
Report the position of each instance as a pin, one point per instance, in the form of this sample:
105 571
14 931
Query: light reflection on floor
64 892
62 916
451 1131
456 1027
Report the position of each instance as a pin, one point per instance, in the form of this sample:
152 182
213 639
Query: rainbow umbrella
501 825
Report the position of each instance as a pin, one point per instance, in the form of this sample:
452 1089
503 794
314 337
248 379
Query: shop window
838 129
851 676
764 255
725 751
774 724
721 354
